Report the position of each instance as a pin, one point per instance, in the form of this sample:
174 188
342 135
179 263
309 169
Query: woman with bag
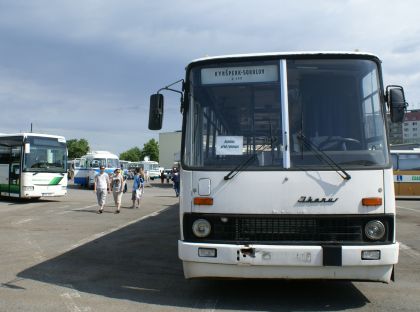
137 189
117 188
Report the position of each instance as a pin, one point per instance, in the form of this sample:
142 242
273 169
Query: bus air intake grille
341 229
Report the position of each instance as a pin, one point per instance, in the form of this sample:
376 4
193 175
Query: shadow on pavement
140 263
24 201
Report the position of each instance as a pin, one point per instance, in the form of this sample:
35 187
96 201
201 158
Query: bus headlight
375 230
28 188
201 228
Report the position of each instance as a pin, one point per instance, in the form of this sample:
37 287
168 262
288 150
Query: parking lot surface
60 255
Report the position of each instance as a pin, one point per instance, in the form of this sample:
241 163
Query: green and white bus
33 165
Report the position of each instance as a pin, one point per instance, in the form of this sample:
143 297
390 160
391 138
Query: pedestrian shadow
139 263
160 185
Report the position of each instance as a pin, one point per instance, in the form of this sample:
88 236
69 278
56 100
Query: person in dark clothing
175 179
162 176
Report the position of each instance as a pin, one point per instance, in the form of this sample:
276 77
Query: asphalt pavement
60 255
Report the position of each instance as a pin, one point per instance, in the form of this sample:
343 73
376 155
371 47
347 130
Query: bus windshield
235 111
106 162
45 155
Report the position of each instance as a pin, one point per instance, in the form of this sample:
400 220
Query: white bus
33 165
285 167
89 167
151 168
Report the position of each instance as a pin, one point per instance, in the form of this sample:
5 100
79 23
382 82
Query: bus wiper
323 156
248 160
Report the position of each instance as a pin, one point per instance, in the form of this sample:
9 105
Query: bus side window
409 162
4 154
394 158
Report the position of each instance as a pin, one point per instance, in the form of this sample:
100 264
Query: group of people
104 184
174 176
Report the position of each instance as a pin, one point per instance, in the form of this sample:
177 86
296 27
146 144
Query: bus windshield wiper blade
248 160
327 159
239 167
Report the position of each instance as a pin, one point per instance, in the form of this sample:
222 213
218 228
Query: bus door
4 169
15 171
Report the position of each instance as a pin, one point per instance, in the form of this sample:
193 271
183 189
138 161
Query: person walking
162 176
117 188
143 175
137 189
175 179
101 187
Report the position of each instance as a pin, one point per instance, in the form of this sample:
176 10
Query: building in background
406 132
411 127
169 148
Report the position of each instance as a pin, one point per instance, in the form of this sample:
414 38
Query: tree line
79 147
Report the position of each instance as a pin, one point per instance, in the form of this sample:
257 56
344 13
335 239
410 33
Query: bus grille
287 229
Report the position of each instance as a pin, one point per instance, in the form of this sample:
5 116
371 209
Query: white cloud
73 66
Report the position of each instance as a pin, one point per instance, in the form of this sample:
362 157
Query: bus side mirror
156 112
396 103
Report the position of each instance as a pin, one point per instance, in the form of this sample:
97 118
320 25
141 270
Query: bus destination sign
243 74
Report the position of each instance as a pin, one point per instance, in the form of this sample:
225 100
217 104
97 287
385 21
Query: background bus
406 164
89 167
285 167
151 168
33 165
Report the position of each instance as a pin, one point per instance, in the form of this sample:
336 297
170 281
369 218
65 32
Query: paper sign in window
229 145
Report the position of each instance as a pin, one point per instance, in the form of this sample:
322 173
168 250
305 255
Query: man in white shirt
101 187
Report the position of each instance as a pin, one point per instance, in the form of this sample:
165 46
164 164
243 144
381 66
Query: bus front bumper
363 262
44 191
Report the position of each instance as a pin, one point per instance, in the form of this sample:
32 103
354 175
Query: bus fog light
201 228
64 187
207 252
375 230
371 254
28 188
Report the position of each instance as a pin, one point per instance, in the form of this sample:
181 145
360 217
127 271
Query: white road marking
409 251
104 233
70 303
208 305
22 221
39 252
411 209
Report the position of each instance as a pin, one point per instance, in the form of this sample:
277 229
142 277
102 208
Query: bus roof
30 134
288 54
101 154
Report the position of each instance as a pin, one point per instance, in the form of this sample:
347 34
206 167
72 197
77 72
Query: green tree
151 149
77 148
133 154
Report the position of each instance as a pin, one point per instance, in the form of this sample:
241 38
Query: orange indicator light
372 201
203 201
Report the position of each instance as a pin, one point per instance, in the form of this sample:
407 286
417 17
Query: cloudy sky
86 68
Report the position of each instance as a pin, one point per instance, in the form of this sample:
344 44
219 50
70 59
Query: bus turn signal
372 201
203 201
